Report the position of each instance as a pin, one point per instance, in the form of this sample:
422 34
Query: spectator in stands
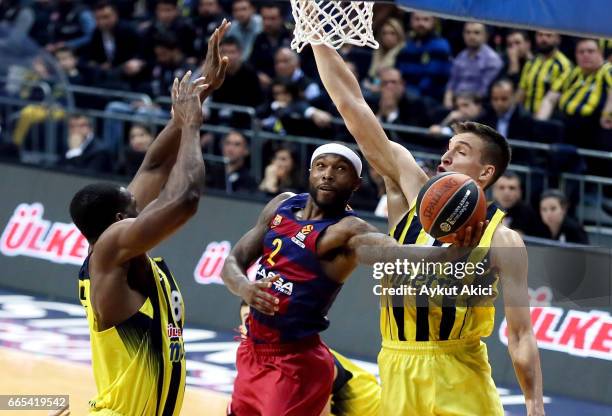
468 107
234 176
168 20
553 210
584 98
520 216
395 106
289 113
518 53
19 17
287 67
71 25
391 38
85 153
281 175
541 72
247 24
34 114
113 52
140 138
170 64
475 68
209 17
505 115
241 87
274 36
425 62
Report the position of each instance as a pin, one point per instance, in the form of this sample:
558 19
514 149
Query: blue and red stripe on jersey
304 290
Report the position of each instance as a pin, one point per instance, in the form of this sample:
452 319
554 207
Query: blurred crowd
428 73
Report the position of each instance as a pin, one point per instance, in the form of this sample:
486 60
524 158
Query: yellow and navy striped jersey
441 318
538 76
139 364
584 95
356 392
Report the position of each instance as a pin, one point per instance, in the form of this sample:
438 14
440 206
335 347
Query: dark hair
523 33
231 40
103 4
292 88
467 95
557 194
496 150
169 2
94 208
145 127
581 40
64 49
166 40
503 81
270 5
80 115
510 174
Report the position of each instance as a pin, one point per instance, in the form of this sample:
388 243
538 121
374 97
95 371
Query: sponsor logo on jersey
276 221
299 238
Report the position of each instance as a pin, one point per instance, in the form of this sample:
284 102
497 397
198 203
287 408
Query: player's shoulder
107 245
506 237
272 206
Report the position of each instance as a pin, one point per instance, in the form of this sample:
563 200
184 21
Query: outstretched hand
214 65
186 104
256 296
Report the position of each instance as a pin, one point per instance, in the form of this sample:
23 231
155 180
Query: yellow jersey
584 95
139 365
440 320
356 392
539 75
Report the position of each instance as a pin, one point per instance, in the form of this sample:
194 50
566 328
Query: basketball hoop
332 23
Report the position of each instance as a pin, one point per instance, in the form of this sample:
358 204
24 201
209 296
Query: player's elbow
189 200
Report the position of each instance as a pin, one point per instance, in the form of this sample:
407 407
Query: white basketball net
332 23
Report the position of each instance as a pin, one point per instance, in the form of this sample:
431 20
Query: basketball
449 203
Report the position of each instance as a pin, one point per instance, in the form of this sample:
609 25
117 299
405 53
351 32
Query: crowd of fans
427 73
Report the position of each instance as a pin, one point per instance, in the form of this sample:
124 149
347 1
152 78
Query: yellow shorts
437 378
360 393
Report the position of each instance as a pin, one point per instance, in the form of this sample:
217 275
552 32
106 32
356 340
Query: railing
591 205
12 105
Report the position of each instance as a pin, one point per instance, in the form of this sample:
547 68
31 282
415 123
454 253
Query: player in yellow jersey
432 359
133 305
355 391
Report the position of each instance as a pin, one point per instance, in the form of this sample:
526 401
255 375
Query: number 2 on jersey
278 243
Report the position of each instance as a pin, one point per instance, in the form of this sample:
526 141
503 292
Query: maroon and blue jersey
304 290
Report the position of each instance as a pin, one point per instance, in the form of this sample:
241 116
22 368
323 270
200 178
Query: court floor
44 349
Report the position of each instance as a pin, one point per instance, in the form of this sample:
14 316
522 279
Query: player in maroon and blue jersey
308 244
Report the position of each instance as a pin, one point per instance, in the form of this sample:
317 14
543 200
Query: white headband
340 150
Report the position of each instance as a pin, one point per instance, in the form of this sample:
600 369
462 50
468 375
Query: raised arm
179 199
390 159
511 260
548 105
161 156
248 249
